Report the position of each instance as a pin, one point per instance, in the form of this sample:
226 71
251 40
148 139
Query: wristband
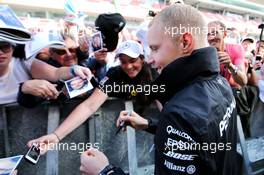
72 72
57 136
150 123
107 169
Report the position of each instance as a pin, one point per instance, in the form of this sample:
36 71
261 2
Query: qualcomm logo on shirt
182 134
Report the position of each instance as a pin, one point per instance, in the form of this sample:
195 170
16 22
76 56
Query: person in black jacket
196 133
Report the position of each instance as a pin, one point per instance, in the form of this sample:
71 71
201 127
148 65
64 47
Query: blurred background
242 17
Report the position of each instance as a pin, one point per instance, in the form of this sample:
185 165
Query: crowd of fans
30 81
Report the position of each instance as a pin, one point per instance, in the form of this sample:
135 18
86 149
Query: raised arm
80 114
42 70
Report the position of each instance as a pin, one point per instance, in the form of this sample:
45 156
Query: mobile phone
151 13
33 154
258 57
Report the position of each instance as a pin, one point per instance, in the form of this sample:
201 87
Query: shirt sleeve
237 53
28 63
106 84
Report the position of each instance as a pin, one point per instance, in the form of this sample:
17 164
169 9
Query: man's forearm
63 73
81 113
238 75
74 120
42 70
240 78
253 78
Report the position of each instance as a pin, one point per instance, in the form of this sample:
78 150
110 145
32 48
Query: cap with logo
130 48
110 25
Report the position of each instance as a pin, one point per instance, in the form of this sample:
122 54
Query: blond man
197 130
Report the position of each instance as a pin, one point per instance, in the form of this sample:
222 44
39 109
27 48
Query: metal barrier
252 149
20 125
102 129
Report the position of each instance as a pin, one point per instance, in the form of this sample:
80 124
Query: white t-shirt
9 83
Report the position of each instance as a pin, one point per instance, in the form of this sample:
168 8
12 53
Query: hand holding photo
97 42
9 164
77 86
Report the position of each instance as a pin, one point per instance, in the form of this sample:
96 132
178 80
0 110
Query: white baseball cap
47 39
130 48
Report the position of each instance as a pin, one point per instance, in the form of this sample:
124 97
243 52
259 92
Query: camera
151 13
258 58
33 154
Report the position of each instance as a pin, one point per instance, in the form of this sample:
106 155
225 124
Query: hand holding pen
132 119
122 124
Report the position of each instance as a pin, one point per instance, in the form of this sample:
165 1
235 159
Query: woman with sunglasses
133 72
14 71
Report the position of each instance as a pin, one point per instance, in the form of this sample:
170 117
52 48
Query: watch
107 169
234 72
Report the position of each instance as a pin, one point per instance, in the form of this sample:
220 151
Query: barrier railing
20 125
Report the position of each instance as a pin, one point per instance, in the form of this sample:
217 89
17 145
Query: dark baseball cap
248 39
110 24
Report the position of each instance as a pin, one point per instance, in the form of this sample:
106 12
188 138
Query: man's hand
14 172
225 59
93 162
133 120
101 55
45 143
257 65
40 88
82 72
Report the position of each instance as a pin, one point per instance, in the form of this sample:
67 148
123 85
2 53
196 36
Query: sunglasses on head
63 51
6 47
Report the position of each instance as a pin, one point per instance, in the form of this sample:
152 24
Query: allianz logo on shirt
191 169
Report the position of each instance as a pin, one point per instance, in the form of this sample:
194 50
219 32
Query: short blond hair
221 24
183 18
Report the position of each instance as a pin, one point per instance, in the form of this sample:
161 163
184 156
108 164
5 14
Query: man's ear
225 33
187 43
51 53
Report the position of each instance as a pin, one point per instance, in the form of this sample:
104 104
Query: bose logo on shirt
179 156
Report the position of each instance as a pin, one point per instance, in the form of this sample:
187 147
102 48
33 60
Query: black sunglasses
5 47
63 51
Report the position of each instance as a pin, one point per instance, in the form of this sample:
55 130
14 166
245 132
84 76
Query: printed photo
9 164
77 86
97 42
